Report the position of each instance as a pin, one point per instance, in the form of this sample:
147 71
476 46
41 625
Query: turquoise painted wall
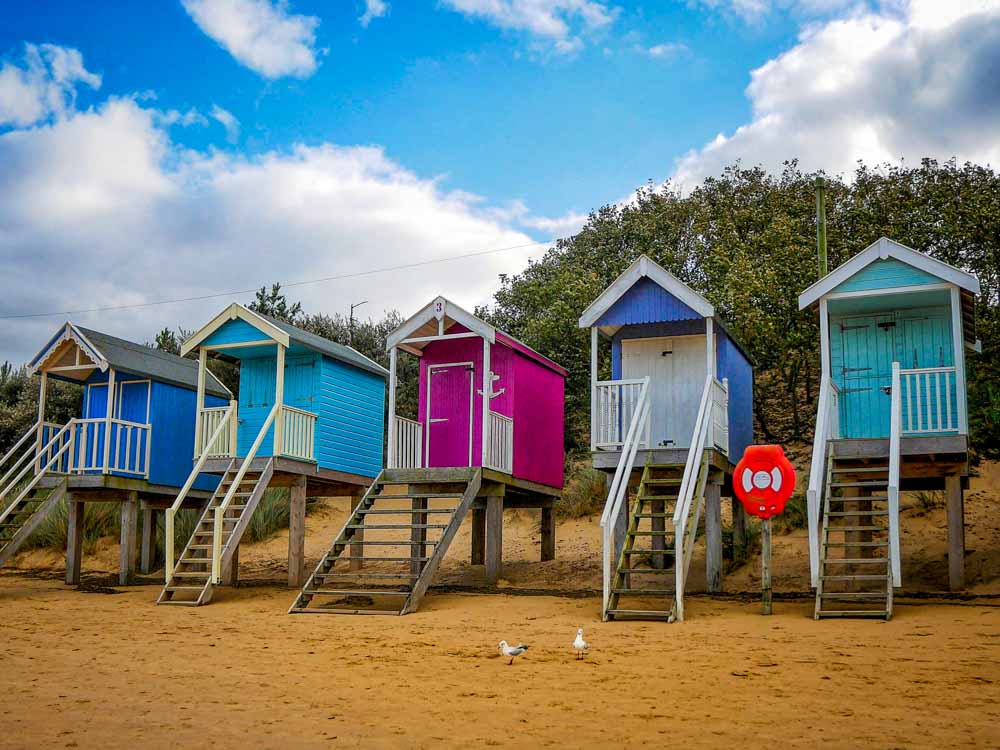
886 274
234 332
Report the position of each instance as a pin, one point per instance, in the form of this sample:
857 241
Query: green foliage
795 516
99 520
168 341
584 495
275 304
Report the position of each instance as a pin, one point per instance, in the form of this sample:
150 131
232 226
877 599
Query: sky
197 149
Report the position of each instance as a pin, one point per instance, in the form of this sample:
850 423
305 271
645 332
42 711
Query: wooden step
652 515
860 470
340 558
402 511
354 592
881 613
418 495
640 614
840 514
643 592
859 577
857 498
665 532
859 483
646 571
331 611
855 560
855 528
857 544
855 595
176 589
396 526
389 543
364 574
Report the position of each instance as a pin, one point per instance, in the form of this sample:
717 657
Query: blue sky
185 148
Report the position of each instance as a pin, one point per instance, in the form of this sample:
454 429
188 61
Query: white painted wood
298 430
594 337
408 438
233 312
279 400
957 341
487 390
43 382
888 291
439 310
241 345
439 337
710 346
880 250
199 402
427 415
108 418
390 459
925 395
827 427
644 267
501 454
69 333
824 337
895 434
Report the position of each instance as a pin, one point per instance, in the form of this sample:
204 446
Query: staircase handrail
42 470
895 434
817 468
30 452
619 485
179 500
221 508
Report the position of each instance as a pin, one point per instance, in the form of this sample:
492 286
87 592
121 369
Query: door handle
440 419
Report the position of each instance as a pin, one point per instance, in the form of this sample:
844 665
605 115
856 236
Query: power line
215 295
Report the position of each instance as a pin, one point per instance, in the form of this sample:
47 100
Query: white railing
500 455
54 451
928 399
223 425
409 448
224 446
616 505
615 405
895 431
827 428
686 497
28 455
130 448
298 431
718 435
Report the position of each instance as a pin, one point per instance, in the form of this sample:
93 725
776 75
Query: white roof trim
69 333
234 311
644 266
439 309
880 250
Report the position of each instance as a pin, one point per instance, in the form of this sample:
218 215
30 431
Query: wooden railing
928 399
827 428
895 435
409 448
298 434
224 446
616 505
615 404
501 445
54 452
718 434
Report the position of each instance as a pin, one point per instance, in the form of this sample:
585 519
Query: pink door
449 413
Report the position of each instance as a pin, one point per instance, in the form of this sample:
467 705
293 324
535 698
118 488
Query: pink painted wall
532 396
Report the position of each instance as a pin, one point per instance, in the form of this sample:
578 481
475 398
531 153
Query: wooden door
867 346
450 390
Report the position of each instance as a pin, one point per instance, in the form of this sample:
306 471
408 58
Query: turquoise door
257 384
867 345
929 401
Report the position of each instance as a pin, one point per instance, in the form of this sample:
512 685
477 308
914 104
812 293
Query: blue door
867 349
90 435
128 444
257 382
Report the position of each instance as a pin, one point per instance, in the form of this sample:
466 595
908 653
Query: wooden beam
487 390
75 512
231 569
297 533
548 534
357 550
739 526
956 533
593 388
199 402
127 542
958 342
390 458
147 546
478 536
494 534
108 417
418 536
713 537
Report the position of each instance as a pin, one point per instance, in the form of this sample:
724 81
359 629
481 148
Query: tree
167 341
274 304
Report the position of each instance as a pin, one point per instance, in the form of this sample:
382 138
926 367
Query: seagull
511 651
580 645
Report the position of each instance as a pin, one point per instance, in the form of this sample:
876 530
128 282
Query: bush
584 495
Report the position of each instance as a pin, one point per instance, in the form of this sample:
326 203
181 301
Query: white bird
511 651
580 645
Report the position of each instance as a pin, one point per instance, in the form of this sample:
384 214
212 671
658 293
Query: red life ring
764 480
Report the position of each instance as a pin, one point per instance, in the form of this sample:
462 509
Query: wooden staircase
28 509
855 569
387 554
191 582
645 566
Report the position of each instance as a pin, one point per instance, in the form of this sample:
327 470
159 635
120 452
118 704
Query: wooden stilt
231 570
494 537
765 565
658 542
956 532
297 533
75 512
357 550
418 550
478 536
713 537
739 526
147 546
548 533
129 536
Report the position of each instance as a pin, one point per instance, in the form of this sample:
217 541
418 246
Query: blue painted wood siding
862 350
886 274
234 332
646 302
350 432
731 363
257 384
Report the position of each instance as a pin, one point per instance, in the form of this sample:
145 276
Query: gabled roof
880 250
104 351
441 315
644 267
285 334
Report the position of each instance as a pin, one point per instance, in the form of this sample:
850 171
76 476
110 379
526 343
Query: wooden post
127 542
739 526
43 381
107 419
147 546
199 402
765 565
279 400
958 341
418 535
548 533
358 550
390 448
478 536
494 535
658 543
710 346
593 388
75 513
487 390
956 532
231 570
713 537
297 533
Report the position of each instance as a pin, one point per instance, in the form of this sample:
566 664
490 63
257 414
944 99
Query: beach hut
672 421
895 326
487 434
130 444
310 416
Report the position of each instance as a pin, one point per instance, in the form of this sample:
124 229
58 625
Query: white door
676 369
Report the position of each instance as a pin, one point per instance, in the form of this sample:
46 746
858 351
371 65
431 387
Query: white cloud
905 82
555 227
373 9
43 85
557 22
228 120
754 11
261 34
665 50
102 208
